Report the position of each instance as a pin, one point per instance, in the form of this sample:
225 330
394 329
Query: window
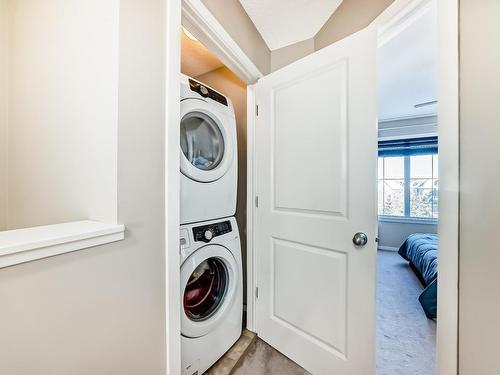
408 179
391 186
424 186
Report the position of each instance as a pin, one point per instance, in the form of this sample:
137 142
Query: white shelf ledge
28 244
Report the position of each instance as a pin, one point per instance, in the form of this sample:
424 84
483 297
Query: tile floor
263 359
234 356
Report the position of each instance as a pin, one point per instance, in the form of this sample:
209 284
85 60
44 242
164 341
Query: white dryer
208 154
212 292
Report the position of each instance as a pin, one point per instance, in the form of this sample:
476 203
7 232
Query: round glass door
205 289
202 142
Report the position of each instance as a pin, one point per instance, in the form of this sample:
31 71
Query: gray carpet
406 339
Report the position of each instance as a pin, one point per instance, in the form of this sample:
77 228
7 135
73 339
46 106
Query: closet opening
213 199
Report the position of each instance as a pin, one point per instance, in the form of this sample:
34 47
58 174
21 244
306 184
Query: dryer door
206 145
209 281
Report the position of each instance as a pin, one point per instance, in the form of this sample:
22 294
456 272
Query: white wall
479 296
101 311
392 234
3 111
63 108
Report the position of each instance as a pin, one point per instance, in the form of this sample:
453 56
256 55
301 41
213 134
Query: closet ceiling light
188 34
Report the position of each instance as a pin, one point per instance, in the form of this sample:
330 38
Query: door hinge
256 110
256 292
257 201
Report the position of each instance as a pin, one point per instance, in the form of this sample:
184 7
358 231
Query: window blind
403 147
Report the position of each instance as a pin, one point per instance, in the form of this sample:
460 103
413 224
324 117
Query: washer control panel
207 232
207 92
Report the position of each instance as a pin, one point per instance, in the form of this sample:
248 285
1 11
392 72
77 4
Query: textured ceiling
407 70
285 22
196 59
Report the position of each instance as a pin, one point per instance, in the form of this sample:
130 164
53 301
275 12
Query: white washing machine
208 155
212 292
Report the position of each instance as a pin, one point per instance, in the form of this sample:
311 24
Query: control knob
203 90
208 234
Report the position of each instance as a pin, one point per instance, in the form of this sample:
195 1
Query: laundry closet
213 119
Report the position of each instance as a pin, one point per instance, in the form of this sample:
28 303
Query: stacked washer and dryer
211 266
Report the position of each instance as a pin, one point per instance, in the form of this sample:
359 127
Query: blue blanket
422 251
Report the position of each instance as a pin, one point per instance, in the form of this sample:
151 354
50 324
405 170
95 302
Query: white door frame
211 33
251 205
449 194
172 184
204 26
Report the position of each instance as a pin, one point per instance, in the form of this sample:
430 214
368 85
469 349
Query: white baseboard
388 248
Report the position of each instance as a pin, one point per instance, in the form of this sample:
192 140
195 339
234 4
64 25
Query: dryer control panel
205 233
207 92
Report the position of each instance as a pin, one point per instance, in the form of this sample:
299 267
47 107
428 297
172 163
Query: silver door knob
360 239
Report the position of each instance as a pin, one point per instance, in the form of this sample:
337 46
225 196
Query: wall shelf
28 244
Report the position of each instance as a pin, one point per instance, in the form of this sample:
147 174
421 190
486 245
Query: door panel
293 294
316 144
299 134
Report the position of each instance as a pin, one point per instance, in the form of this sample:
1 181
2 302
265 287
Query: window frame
407 218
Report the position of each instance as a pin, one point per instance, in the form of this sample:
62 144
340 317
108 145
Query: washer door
206 146
209 280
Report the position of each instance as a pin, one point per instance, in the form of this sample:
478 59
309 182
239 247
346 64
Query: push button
184 238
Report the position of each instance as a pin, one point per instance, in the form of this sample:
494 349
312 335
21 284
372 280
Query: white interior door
316 144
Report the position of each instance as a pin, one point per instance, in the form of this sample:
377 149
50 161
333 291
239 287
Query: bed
421 251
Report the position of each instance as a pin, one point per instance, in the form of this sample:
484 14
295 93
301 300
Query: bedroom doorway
408 207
